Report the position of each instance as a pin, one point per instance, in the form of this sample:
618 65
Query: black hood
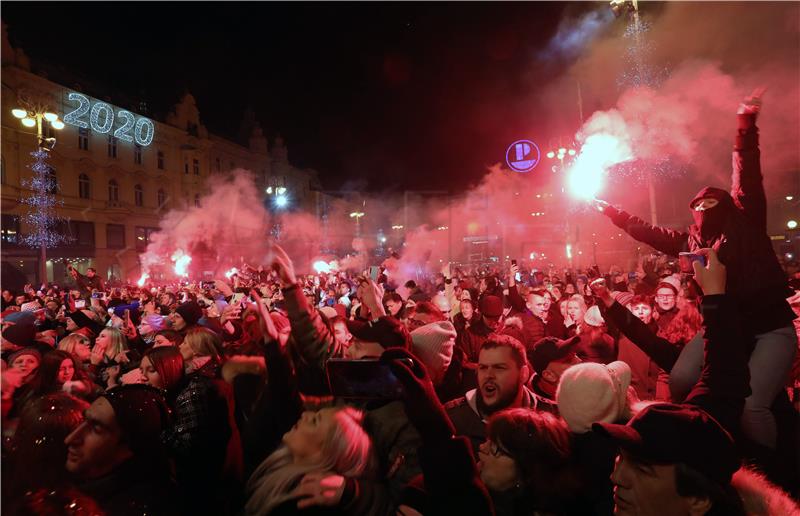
711 223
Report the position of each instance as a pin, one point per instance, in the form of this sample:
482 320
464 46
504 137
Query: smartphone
97 295
205 285
514 261
685 261
631 277
362 379
374 272
236 298
80 303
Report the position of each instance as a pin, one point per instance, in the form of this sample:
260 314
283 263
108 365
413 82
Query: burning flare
231 272
586 176
144 278
182 262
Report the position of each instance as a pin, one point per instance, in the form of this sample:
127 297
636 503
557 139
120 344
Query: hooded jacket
737 229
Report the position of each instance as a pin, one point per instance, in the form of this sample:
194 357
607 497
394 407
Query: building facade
114 185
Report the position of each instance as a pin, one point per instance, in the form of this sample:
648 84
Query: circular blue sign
522 156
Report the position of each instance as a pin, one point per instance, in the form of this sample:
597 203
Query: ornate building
115 184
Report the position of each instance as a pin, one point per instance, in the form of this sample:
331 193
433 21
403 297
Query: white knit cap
593 393
329 312
592 316
433 344
672 280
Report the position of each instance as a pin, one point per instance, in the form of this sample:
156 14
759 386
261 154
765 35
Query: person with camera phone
735 225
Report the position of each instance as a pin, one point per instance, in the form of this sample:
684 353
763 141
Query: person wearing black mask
735 226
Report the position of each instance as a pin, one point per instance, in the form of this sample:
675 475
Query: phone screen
80 303
374 272
685 261
362 379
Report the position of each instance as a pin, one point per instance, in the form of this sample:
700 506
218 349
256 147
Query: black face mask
710 222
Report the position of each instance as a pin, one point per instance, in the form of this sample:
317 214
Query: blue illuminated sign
522 156
101 120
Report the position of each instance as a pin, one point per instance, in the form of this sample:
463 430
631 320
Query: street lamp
357 215
792 224
35 116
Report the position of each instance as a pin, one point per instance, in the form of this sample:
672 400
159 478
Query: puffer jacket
755 278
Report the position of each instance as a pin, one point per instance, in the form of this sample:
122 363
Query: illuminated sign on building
101 119
522 156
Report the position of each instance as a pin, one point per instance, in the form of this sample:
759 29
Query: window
79 233
138 195
112 147
219 165
10 229
196 167
113 190
137 154
143 235
83 138
160 159
52 180
84 187
115 236
186 167
162 198
197 200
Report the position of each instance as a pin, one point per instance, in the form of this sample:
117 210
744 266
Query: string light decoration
41 215
108 120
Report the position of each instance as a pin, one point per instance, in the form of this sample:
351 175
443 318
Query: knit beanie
433 344
592 317
593 393
85 319
328 312
190 311
622 298
24 351
22 333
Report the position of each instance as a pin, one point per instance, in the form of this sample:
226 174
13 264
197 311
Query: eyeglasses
665 296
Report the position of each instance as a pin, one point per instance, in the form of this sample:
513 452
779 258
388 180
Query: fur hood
760 497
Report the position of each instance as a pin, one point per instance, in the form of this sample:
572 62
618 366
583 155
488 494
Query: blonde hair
69 342
118 342
347 451
204 342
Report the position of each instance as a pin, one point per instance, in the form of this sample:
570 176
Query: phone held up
685 261
362 379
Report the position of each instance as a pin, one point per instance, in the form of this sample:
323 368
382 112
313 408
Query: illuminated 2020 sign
101 120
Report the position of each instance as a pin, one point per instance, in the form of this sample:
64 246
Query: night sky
371 95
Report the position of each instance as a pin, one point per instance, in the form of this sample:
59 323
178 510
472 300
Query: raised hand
283 266
752 103
320 488
600 290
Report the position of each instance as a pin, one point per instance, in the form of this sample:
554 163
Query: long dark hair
47 380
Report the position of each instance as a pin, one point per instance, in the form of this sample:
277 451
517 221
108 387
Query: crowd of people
663 390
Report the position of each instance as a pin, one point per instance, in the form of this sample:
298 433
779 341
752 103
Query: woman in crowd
167 338
79 346
525 463
60 371
19 383
464 318
575 310
111 357
203 438
394 305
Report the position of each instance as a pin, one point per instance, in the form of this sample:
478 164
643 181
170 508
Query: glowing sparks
141 281
182 262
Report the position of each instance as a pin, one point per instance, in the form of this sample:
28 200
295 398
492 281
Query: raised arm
663 352
747 183
668 241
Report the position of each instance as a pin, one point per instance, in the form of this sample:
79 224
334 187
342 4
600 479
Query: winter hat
19 317
433 344
551 349
328 312
593 393
21 334
25 351
622 298
491 306
190 311
672 281
141 414
156 322
592 317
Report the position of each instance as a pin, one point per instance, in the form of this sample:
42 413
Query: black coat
756 280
